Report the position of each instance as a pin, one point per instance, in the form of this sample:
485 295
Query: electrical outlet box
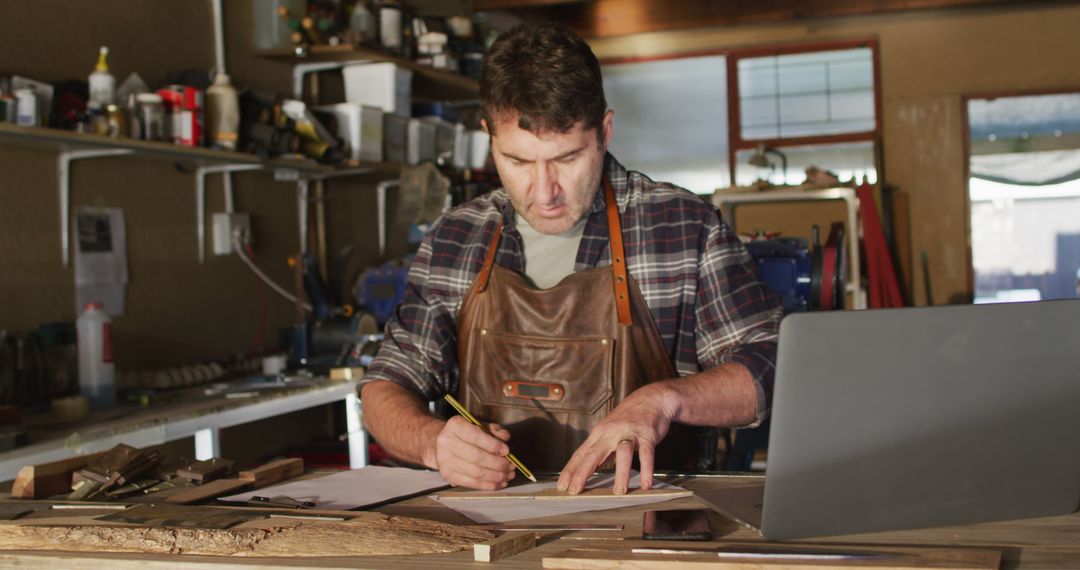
225 226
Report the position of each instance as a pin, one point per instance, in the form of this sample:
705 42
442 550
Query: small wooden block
210 490
47 479
207 470
274 471
355 373
504 546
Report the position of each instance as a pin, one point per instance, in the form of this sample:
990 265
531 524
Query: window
665 130
795 107
1024 195
697 120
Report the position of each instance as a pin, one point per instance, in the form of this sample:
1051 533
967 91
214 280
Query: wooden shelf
71 146
59 140
428 82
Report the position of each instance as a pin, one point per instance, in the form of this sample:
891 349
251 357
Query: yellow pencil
465 414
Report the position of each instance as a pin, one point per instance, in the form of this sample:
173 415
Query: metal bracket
302 69
63 185
200 197
380 198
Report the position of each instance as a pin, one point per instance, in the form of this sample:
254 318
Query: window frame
735 141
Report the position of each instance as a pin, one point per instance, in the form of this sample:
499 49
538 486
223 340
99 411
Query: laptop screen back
915 418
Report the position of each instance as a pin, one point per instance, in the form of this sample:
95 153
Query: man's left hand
640 422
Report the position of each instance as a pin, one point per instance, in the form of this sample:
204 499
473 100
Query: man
584 309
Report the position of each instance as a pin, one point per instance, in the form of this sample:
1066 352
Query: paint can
115 121
191 118
150 109
26 113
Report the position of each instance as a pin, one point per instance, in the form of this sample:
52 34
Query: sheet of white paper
352 489
488 511
101 269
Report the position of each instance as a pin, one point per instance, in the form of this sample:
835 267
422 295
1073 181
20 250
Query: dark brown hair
548 74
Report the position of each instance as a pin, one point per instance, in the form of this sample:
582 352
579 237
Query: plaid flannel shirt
698 281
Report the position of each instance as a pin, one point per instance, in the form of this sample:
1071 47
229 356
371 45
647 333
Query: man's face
552 178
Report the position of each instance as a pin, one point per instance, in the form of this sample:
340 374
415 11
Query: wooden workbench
186 413
1043 543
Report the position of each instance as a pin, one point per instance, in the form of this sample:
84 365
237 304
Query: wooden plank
208 491
274 471
370 534
47 479
901 223
907 558
507 545
206 470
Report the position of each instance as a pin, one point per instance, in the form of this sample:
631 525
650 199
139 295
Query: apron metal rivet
483 332
508 388
603 341
557 391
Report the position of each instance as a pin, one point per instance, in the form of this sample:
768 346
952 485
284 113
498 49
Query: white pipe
219 37
380 197
229 203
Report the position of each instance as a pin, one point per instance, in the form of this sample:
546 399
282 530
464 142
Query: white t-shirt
549 258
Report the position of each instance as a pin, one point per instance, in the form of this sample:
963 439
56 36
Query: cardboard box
361 129
395 137
479 149
421 141
383 85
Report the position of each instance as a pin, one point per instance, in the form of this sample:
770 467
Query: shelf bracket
302 69
200 197
380 197
63 185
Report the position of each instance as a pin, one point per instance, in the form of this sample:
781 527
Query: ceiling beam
488 5
601 18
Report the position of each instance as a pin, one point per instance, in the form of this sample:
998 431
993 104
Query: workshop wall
178 310
929 61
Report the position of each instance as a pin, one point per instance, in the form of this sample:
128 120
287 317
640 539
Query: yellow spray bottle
102 83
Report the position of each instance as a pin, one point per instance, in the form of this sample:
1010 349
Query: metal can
26 113
151 112
191 121
115 121
173 99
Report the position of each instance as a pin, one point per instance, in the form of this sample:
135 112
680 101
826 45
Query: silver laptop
916 418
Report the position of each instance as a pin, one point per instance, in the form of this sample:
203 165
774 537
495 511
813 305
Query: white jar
222 114
97 373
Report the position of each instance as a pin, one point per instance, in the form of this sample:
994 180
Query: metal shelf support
63 185
302 69
200 197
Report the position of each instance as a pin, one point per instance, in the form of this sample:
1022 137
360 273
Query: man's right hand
468 456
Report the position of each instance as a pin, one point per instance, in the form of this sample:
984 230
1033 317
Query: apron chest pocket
558 374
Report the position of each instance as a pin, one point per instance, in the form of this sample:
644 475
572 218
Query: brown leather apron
549 364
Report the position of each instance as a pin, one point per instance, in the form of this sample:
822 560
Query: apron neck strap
489 257
618 257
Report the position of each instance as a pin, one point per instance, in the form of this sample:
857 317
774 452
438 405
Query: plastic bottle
222 114
362 24
102 83
269 29
97 373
